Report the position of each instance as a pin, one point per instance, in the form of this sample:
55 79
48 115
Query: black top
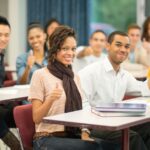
2 69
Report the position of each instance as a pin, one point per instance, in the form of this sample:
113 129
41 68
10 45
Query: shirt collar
108 66
1 58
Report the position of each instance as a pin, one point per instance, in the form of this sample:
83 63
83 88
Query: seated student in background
50 26
86 55
35 59
105 81
6 110
146 37
137 58
55 90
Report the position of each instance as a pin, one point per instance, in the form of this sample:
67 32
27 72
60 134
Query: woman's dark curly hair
57 39
145 34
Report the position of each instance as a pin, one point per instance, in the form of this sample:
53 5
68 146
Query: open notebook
119 109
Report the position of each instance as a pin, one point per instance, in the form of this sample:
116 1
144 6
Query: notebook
119 109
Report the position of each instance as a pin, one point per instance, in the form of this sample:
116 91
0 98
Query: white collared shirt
101 83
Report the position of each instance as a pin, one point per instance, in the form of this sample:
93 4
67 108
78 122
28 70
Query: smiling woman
55 89
66 53
35 59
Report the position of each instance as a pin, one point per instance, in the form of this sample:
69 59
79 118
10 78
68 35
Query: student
55 90
106 81
86 55
6 110
146 37
35 59
50 26
138 55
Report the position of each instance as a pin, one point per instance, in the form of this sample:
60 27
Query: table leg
125 139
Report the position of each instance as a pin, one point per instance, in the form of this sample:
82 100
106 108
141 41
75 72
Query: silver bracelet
85 130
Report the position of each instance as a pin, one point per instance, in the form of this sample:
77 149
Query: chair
24 122
9 79
127 97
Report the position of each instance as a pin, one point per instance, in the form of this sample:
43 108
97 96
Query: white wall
4 8
17 17
140 12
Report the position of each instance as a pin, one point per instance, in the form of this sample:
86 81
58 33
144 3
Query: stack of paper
120 109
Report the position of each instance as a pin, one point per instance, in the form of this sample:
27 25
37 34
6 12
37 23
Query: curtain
147 6
75 13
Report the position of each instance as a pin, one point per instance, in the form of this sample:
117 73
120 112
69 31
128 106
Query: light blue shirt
132 56
21 64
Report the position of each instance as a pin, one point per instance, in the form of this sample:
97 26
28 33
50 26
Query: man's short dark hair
112 35
4 21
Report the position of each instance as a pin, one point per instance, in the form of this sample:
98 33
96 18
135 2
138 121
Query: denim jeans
59 143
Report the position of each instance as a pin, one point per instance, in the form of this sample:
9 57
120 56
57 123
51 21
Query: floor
2 145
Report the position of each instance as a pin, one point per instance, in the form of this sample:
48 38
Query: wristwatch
86 130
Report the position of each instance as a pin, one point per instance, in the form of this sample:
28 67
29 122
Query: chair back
24 122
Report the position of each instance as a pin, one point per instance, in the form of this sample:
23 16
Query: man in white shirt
106 81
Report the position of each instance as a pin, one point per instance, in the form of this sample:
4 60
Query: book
119 109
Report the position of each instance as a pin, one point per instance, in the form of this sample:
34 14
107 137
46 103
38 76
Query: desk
11 71
17 92
139 74
84 118
137 70
10 68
